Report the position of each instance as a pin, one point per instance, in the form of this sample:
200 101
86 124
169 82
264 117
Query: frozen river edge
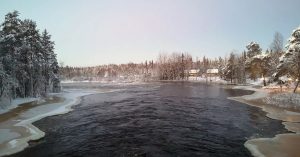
259 147
29 132
287 144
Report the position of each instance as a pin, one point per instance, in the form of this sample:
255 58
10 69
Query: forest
28 64
277 64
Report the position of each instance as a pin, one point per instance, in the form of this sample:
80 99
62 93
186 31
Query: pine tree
230 70
50 66
290 60
10 43
259 65
28 64
253 49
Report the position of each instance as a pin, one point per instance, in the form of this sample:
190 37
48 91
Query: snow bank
293 127
8 134
258 81
15 103
106 81
258 93
208 79
282 144
253 149
285 100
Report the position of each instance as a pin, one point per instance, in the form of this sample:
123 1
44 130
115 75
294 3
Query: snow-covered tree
174 66
276 51
221 66
27 59
230 70
253 49
50 66
6 84
241 68
290 60
10 43
259 65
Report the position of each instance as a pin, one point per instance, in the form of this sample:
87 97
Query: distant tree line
125 72
176 66
28 64
237 68
173 66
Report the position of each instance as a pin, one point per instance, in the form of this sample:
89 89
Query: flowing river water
157 119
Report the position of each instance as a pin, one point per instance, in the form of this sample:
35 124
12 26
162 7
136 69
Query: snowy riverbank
16 125
7 106
274 105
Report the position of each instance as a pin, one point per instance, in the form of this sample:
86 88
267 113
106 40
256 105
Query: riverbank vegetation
28 64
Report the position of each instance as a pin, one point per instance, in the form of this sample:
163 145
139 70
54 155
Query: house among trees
194 72
212 72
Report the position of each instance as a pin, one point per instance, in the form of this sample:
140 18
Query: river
155 119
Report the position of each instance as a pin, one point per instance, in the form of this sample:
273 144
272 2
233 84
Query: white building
212 71
194 72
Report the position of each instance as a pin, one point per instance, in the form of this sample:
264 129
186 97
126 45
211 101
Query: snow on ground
282 145
293 127
8 134
106 81
71 98
285 100
6 106
258 93
207 80
258 82
276 106
25 119
67 83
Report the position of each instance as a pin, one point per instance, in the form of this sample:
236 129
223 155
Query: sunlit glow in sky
94 32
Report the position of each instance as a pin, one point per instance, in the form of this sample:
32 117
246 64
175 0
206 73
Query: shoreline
282 145
25 131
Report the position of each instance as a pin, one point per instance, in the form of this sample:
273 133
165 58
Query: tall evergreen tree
51 68
10 44
290 60
28 64
253 49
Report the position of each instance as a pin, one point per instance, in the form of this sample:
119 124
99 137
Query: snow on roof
212 71
194 71
261 56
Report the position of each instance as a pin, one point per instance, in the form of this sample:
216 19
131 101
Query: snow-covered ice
286 100
15 103
276 106
13 144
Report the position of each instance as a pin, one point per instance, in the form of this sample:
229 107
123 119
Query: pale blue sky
94 32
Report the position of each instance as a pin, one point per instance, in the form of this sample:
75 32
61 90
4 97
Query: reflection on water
167 119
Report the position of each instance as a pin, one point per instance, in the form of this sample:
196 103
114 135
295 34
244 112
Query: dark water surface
168 119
